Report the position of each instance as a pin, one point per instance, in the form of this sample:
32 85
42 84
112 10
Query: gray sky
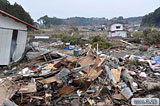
88 8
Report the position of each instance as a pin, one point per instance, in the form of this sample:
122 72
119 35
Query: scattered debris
8 89
85 77
28 88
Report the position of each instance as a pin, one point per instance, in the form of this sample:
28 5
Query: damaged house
117 30
13 35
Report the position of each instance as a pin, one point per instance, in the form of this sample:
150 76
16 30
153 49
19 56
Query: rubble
9 103
8 89
88 78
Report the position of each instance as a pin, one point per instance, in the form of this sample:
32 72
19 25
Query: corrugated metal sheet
5 46
21 42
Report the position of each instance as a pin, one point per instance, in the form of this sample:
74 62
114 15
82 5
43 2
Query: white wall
114 27
5 46
6 22
119 33
6 30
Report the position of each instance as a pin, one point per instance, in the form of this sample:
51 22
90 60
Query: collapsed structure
58 77
59 74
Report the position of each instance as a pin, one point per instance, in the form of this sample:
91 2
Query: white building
117 30
13 35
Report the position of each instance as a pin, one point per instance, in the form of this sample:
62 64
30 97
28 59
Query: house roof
17 19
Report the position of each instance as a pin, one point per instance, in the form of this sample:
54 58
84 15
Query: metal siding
6 22
17 19
21 43
5 46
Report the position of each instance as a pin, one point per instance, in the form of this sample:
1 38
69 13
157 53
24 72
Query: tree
5 6
19 12
16 10
47 21
120 18
152 19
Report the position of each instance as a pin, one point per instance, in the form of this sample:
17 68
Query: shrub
102 43
77 40
137 36
73 40
151 36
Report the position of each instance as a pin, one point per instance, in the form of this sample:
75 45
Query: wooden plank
116 73
7 90
50 80
29 88
86 60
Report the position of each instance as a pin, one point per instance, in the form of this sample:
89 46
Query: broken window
118 27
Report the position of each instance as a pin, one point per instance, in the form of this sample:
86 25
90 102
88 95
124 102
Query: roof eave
19 20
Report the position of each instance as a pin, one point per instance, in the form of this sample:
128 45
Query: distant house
117 30
13 35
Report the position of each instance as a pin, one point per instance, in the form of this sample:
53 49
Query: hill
152 19
82 21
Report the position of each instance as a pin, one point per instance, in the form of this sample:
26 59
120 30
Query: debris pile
86 79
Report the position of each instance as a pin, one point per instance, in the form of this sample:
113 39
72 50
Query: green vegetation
102 43
78 40
81 21
151 36
74 21
73 40
138 35
47 21
122 20
152 19
16 10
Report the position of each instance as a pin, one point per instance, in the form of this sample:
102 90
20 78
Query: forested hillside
16 10
152 19
77 21
130 20
82 21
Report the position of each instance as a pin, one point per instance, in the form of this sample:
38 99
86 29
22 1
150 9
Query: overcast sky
88 8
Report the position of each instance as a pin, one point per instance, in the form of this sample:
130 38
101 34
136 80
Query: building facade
13 35
117 30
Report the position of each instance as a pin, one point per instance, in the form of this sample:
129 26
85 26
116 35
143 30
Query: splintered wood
7 90
86 60
28 88
65 90
116 73
50 80
91 74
